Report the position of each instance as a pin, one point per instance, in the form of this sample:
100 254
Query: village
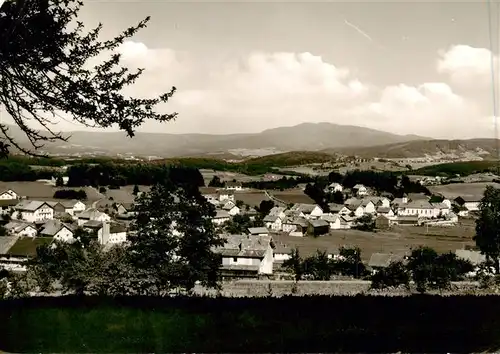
364 219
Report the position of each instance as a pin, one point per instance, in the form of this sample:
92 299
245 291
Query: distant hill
302 137
453 149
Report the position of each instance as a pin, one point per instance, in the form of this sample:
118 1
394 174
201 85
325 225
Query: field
462 168
295 195
398 240
350 324
251 197
42 191
452 191
227 176
124 194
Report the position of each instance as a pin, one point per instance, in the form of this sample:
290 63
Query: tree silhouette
45 71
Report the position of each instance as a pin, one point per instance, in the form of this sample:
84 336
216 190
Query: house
20 228
234 185
9 194
442 208
7 205
225 195
335 221
407 220
246 256
92 214
335 208
258 231
380 201
251 213
282 252
335 187
212 199
360 190
385 211
278 211
122 208
231 208
221 217
380 261
33 211
57 207
310 211
382 222
420 208
273 222
57 230
368 206
471 203
111 233
318 227
228 205
295 226
356 209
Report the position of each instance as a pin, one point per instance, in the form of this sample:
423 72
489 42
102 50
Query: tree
239 224
319 266
173 246
136 190
349 262
488 226
45 70
265 207
215 182
59 181
393 276
337 197
295 264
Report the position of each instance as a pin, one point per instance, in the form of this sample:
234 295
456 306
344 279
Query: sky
403 67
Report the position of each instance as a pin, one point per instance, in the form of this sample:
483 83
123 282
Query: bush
70 194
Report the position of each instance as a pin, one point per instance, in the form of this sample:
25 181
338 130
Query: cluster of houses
58 219
310 219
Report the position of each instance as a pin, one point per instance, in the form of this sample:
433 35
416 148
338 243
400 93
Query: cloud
250 92
467 65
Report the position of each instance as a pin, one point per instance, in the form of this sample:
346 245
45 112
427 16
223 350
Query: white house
386 211
295 226
380 201
335 187
234 186
20 228
420 208
212 199
234 210
228 205
357 209
111 233
9 194
471 203
33 211
247 253
92 214
73 207
335 221
310 211
58 230
225 196
273 222
368 206
360 190
443 209
278 211
221 217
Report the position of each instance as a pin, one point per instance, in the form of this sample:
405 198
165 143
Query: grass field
454 190
398 240
251 197
42 191
295 195
357 324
